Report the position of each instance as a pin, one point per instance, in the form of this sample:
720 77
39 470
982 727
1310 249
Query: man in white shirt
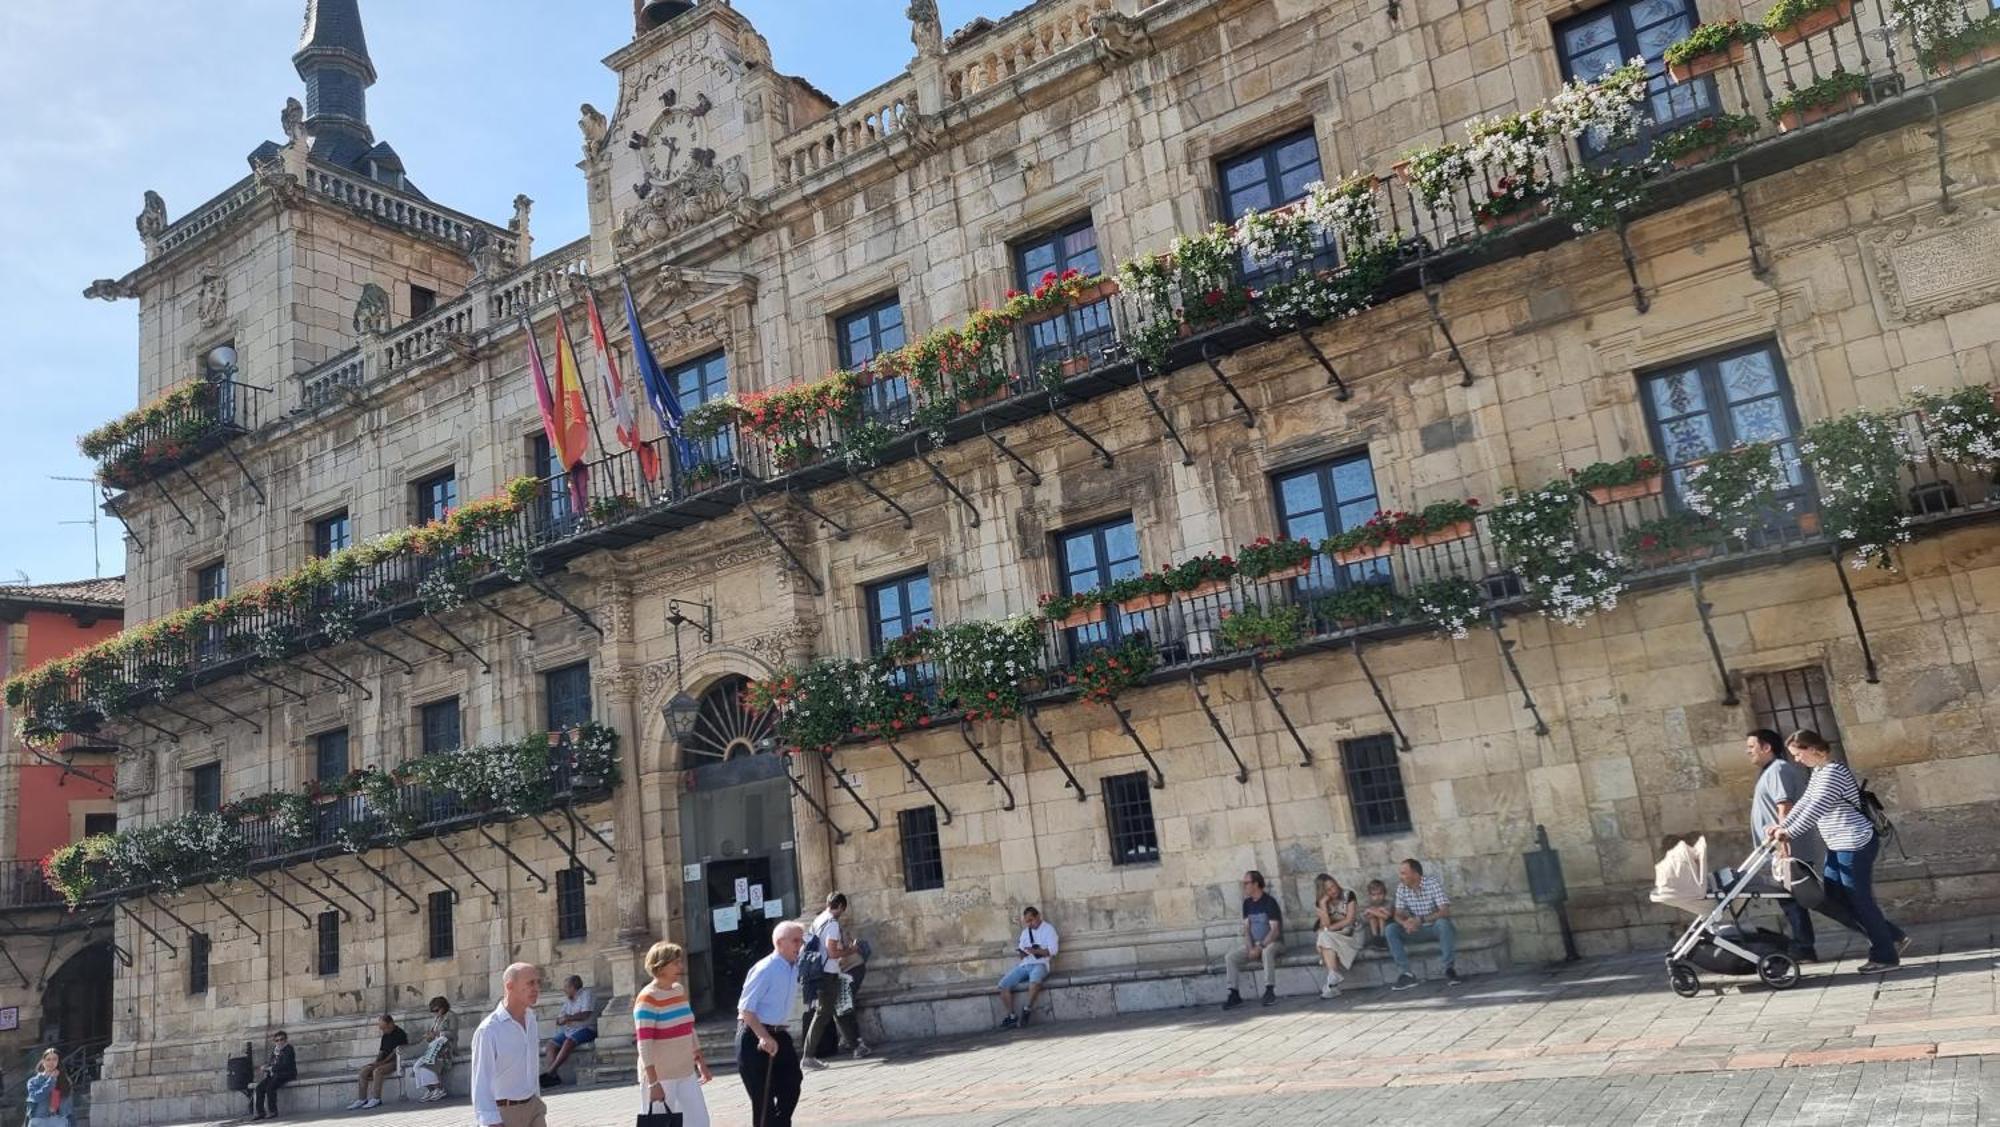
1037 946
506 1091
765 1058
840 954
576 1024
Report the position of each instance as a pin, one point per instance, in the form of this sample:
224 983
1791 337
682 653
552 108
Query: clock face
677 134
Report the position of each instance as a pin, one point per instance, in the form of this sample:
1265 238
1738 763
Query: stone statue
594 128
211 299
110 289
152 221
371 313
292 119
488 256
925 30
1122 35
522 206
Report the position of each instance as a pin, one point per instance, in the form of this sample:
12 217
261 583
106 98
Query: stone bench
1081 995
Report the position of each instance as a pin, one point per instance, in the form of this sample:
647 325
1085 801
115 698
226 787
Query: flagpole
583 385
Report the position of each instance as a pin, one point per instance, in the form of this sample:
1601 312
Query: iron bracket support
547 590
169 913
1007 452
1381 698
390 654
329 901
342 885
1215 722
1945 202
406 632
138 545
1124 716
861 479
1639 299
123 956
1702 607
221 707
148 929
1103 455
1271 693
1514 669
161 486
568 848
1042 738
819 808
798 565
461 642
492 892
1242 406
1432 299
234 914
910 766
576 823
249 478
279 897
1160 413
339 684
342 674
206 727
1758 267
203 490
798 498
427 871
172 737
937 475
18 972
965 733
392 885
503 616
1854 613
840 780
266 681
1333 380
502 847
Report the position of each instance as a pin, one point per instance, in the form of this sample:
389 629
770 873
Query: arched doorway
740 867
76 1006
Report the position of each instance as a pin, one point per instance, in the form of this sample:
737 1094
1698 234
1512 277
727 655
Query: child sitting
1378 914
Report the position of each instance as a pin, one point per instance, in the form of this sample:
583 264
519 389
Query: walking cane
764 1106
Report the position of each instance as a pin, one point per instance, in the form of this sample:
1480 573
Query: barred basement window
570 923
1375 785
438 925
1791 699
197 963
1128 805
923 853
329 943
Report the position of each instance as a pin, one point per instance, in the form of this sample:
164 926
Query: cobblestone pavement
1598 1042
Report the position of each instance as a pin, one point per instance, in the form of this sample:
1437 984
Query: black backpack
1870 806
812 963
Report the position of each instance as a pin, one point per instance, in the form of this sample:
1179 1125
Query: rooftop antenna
96 554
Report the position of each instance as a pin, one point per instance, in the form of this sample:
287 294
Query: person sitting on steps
1263 927
576 1025
385 1064
1379 913
1037 945
1423 911
1339 921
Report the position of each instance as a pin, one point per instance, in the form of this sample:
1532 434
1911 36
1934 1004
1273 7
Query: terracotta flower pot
1631 491
1362 554
1799 119
1082 616
1105 287
1706 64
1814 23
1668 557
1460 531
1296 571
1808 524
1211 587
1139 604
1695 157
1514 218
1971 59
1075 365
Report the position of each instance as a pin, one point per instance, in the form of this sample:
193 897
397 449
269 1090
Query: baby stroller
1717 942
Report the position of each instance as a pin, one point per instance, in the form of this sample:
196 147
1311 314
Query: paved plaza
1598 1042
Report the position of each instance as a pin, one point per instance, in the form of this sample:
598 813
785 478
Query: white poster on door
691 873
774 909
726 919
742 889
756 897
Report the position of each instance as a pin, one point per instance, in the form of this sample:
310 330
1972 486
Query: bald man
506 1055
765 1058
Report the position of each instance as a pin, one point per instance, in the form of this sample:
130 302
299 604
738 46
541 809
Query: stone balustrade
322 385
537 282
429 335
881 113
1023 40
403 211
198 222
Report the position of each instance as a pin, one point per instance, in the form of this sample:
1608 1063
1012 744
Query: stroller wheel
1778 971
1684 980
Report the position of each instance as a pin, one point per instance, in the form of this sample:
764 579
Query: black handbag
659 1118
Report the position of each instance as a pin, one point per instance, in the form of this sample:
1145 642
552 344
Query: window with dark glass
897 607
700 381
198 946
1719 402
331 533
440 723
567 691
104 823
1091 558
1791 699
205 788
865 334
328 929
437 925
557 508
570 922
330 755
211 582
437 496
1375 785
1128 808
1084 331
923 853
1266 178
423 299
1605 38
1319 500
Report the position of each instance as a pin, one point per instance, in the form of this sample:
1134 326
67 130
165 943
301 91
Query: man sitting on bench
576 1024
1037 946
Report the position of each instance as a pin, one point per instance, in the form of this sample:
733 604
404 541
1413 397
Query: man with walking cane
765 1056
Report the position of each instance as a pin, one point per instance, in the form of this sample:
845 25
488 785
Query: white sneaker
811 1063
371 1103
860 1049
357 1105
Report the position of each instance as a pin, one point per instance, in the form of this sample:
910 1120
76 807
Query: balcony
22 887
170 433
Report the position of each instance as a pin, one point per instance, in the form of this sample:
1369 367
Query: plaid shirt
1422 900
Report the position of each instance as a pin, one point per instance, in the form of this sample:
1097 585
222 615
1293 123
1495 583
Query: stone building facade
769 235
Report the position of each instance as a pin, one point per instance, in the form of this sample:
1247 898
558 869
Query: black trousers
264 1097
771 1081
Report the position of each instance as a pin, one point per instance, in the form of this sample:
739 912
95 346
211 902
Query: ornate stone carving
705 191
489 258
1927 269
135 773
152 221
110 289
292 119
594 128
371 312
775 647
283 185
925 30
211 298
463 346
1122 35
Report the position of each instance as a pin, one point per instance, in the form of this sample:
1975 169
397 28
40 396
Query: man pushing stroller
1780 782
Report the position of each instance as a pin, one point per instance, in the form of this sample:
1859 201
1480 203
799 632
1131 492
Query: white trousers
684 1096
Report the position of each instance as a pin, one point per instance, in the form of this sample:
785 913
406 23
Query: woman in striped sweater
1832 805
671 1069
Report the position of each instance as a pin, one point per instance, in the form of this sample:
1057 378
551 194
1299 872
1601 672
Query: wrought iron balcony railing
191 423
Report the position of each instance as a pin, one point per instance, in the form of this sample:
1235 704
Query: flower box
1633 491
1812 23
1668 557
1460 531
1211 587
1140 604
1075 365
1800 118
1514 218
1296 571
1082 616
1706 64
1696 157
1808 524
1970 59
1362 555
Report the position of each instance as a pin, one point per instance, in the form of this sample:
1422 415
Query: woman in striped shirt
671 1069
1831 804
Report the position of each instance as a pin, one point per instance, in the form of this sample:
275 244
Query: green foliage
1261 628
1824 92
1625 471
1712 39
1785 13
1724 132
1360 604
1857 459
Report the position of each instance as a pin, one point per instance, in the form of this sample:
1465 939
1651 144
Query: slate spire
333 60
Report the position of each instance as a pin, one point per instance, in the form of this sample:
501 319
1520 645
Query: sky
101 100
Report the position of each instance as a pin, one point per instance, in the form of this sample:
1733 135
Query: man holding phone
1037 946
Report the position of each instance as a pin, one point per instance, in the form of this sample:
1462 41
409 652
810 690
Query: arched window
725 728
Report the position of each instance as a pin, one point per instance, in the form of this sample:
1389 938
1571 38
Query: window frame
572 905
211 581
196 776
1722 427
100 814
549 700
439 924
320 745
1131 824
426 489
1703 90
326 951
429 302
1817 689
1078 331
721 449
1265 151
921 847
323 539
1114 628
429 709
881 399
200 946
1368 775
1325 575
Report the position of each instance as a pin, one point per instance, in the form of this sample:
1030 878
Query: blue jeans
1444 931
1850 879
